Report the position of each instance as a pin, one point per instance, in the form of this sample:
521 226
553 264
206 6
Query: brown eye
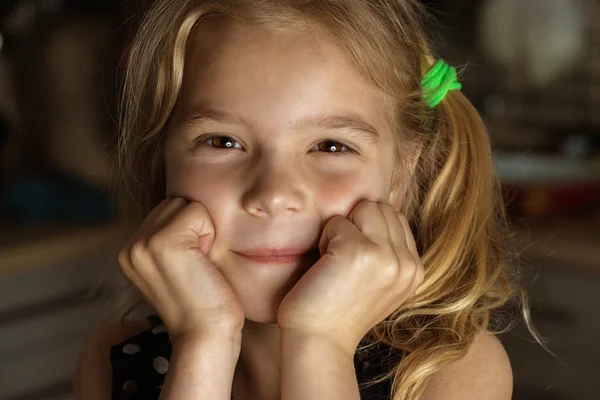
221 142
331 146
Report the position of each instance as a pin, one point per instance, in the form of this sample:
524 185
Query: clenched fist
167 261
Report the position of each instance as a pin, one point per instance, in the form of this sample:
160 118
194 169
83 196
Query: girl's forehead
233 47
248 67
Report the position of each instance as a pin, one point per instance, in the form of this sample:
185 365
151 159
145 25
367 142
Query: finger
404 243
396 230
162 214
337 232
134 257
134 266
419 274
192 225
408 236
189 228
370 220
154 222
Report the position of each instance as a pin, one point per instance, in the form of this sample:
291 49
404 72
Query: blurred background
532 68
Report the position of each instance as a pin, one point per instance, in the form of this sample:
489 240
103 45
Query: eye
333 146
226 142
220 142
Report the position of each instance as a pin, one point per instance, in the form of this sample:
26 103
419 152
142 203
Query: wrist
212 338
308 340
202 366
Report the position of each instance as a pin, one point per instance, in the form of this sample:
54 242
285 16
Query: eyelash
203 143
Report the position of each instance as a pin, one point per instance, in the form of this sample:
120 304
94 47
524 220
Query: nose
275 190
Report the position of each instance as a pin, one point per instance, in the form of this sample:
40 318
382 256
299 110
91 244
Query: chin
263 318
261 295
262 307
261 288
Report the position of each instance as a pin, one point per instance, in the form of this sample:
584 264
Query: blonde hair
453 200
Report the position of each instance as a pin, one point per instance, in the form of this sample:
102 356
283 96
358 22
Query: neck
258 371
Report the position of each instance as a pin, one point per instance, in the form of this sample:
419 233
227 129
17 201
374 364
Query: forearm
202 368
315 368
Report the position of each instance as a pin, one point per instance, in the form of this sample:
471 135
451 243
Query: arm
202 368
315 368
92 379
483 374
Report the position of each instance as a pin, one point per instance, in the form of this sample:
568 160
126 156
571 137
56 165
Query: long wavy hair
453 200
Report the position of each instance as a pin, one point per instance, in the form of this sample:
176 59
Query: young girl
317 210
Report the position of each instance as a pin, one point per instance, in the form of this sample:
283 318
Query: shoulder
93 372
484 373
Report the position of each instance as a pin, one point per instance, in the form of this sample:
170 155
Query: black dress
140 364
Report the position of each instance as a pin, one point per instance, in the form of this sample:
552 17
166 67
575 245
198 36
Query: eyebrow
352 122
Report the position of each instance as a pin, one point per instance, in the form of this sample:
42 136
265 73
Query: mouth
278 256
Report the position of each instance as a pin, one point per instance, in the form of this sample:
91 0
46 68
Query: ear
401 178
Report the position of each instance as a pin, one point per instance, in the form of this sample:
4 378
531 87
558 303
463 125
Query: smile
293 258
276 256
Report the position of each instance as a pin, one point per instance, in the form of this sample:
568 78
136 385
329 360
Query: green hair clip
436 84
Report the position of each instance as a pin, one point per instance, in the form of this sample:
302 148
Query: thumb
195 223
202 226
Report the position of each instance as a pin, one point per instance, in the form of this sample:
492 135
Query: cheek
218 193
338 195
192 180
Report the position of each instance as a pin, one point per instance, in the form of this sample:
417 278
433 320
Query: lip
264 252
275 256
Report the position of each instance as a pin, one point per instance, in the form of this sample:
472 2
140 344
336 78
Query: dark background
532 68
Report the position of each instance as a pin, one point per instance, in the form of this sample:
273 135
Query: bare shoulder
484 373
92 379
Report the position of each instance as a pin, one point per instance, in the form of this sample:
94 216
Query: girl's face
276 135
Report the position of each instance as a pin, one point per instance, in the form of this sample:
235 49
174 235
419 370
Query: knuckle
388 207
362 207
177 200
196 208
369 249
137 253
402 217
195 212
123 257
390 273
337 220
392 268
408 269
371 253
156 244
335 223
367 206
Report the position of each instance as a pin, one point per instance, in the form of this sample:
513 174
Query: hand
166 260
369 267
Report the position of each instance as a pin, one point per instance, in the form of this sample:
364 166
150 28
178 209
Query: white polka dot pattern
141 364
159 329
130 387
131 348
161 365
